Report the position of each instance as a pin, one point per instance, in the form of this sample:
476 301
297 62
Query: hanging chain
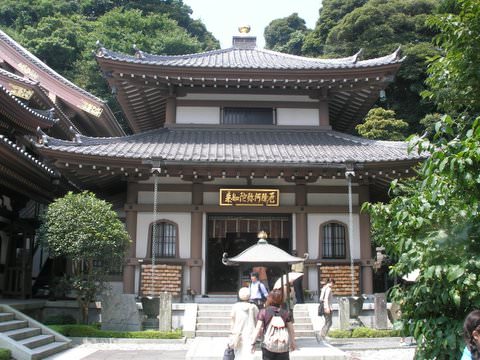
154 229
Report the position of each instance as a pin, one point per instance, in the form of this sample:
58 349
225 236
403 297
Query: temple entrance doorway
233 234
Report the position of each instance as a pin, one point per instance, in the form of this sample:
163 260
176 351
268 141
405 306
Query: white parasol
292 276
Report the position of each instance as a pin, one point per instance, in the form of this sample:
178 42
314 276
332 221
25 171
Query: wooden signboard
249 197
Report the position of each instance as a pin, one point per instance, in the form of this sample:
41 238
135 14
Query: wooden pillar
301 223
323 113
171 110
365 243
196 239
131 224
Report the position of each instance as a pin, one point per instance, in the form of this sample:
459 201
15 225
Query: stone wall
166 278
343 278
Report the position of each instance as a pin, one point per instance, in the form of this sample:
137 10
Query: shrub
94 331
363 332
61 319
5 354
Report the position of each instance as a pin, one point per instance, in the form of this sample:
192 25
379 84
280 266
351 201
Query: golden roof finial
244 29
262 235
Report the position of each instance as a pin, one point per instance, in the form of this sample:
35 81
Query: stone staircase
213 320
26 338
302 324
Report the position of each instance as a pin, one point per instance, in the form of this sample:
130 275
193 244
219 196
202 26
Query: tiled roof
279 145
249 59
44 121
32 58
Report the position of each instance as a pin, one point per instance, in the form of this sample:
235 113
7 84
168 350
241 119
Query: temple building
34 97
225 144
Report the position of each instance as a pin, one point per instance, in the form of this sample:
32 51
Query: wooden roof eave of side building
23 173
86 104
32 91
21 115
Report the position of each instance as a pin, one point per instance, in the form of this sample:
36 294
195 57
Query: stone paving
355 349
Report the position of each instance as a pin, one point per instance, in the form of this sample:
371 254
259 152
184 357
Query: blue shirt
256 291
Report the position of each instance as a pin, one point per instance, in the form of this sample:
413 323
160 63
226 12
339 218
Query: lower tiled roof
276 145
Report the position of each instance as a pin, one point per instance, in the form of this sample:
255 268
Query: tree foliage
454 79
433 222
286 34
381 124
381 26
85 230
330 14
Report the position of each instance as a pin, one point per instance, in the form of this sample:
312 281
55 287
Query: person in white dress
244 318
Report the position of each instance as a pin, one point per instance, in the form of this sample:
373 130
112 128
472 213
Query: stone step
304 333
302 326
13 324
217 307
23 333
48 350
206 320
37 341
213 326
300 313
212 333
4 316
301 320
209 313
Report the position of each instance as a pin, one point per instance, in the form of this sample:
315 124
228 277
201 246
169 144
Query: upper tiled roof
238 145
238 58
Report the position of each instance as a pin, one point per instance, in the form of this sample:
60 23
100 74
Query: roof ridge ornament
358 56
138 53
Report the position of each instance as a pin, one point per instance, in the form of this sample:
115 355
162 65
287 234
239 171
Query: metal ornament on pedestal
151 302
355 303
265 254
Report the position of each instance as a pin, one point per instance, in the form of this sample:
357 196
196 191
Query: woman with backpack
277 326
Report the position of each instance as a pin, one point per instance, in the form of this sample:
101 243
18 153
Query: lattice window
334 241
165 244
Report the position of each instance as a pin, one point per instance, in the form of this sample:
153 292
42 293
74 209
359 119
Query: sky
223 17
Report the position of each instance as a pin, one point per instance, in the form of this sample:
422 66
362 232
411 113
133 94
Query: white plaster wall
211 198
165 198
313 229
294 231
183 220
304 117
330 199
287 199
197 115
249 97
312 278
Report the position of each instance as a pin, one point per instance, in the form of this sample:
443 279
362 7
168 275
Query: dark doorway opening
233 234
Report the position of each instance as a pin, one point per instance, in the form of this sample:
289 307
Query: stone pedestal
151 307
349 311
381 315
165 315
120 313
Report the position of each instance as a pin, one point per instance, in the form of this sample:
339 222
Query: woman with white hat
244 318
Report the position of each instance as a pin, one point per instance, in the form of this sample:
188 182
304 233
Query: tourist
471 334
258 291
297 283
327 296
262 275
273 307
244 316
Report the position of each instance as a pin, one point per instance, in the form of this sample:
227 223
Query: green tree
286 34
330 14
86 231
381 26
381 124
454 81
433 223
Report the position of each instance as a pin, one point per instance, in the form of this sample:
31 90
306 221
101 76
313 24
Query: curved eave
22 115
81 100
